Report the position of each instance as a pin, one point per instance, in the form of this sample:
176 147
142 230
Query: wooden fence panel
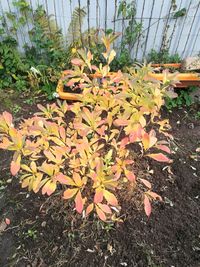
159 27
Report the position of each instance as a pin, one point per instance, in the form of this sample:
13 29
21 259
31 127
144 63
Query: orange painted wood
167 65
185 80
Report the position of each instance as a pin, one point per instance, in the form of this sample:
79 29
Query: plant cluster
13 71
163 57
183 98
133 29
83 150
45 56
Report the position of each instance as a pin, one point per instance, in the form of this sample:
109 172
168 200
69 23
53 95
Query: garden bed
45 233
185 80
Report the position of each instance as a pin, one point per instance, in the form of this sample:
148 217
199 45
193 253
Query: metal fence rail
160 29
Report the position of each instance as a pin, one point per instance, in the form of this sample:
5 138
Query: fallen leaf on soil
147 205
7 220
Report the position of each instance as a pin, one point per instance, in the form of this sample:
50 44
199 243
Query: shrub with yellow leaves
88 154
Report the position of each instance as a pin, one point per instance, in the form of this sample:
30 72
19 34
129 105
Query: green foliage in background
183 99
163 57
180 13
13 71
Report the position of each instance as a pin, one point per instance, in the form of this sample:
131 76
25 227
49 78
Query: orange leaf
159 157
101 214
63 179
5 143
164 148
89 209
121 122
49 188
77 61
131 176
105 208
110 197
147 205
14 167
69 193
79 202
77 179
145 141
7 117
98 197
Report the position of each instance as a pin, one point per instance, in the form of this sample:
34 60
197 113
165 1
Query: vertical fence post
88 21
182 28
174 28
190 30
106 11
195 40
138 42
157 27
80 26
97 14
164 35
148 29
115 15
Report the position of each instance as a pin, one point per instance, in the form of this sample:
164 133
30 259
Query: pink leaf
79 202
14 167
121 122
164 148
159 157
77 61
98 197
7 220
105 208
89 209
131 176
124 142
147 205
101 214
8 117
63 179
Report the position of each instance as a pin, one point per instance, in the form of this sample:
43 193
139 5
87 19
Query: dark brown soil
45 233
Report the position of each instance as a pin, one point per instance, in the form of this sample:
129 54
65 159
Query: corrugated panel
160 29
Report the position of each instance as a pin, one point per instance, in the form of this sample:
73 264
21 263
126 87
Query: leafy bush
13 71
83 149
163 57
183 98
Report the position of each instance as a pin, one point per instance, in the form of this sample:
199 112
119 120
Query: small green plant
197 115
163 57
31 233
3 185
29 101
16 109
180 13
183 98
